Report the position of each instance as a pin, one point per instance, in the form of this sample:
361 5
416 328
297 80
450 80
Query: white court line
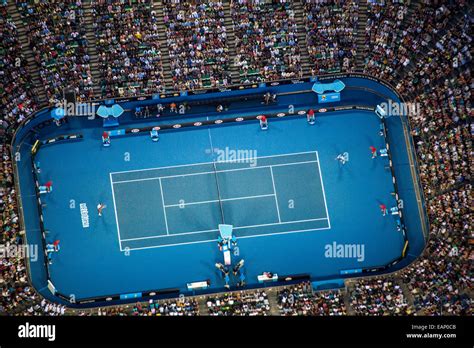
192 203
235 228
163 206
243 237
202 163
216 200
276 197
322 186
210 138
115 210
213 172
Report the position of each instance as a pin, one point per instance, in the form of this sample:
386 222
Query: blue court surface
291 203
163 205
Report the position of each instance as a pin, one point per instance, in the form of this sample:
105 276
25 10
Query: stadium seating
58 41
239 304
128 48
197 44
300 299
18 101
331 28
266 41
378 297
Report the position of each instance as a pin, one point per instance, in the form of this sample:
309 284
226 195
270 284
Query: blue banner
351 271
129 296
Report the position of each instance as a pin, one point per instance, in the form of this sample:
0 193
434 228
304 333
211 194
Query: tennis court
289 201
184 204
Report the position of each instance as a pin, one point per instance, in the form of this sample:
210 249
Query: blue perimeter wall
360 90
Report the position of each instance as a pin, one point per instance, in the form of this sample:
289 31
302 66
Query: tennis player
56 245
48 186
373 150
341 158
173 108
100 207
310 116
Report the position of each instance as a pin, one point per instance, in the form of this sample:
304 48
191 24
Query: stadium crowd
128 47
412 51
301 299
428 48
443 136
18 94
379 296
18 101
441 132
179 307
384 38
197 44
266 40
241 303
57 38
330 34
